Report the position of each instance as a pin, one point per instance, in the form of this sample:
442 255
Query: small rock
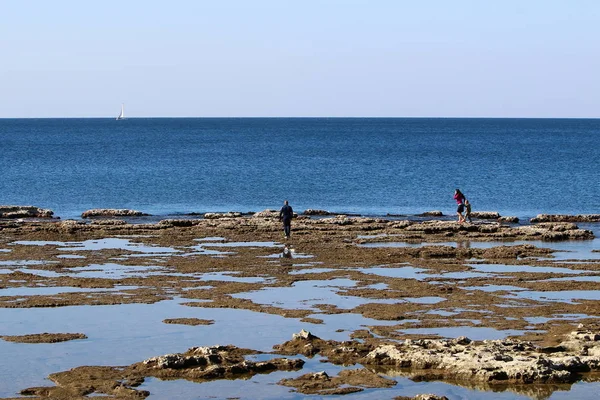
310 211
109 212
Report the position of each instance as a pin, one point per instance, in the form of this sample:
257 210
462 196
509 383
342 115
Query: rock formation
566 218
109 212
24 212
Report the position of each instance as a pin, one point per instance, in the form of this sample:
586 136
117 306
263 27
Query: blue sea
369 166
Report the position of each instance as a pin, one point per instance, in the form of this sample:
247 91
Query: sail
122 113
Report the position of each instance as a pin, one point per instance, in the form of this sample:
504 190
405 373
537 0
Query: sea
367 166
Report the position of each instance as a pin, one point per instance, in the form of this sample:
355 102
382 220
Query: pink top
459 198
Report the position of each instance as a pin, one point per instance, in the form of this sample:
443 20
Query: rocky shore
410 279
492 362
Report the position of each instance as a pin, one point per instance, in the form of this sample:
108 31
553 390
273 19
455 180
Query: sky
280 58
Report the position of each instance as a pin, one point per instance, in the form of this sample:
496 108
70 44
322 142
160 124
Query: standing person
460 200
286 214
468 211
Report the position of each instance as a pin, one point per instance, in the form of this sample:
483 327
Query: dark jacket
286 214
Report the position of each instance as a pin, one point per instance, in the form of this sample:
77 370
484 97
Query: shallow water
502 268
102 244
566 296
53 290
136 332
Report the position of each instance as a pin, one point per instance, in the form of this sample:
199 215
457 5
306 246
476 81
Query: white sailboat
122 113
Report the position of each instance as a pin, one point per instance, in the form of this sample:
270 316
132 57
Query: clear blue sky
510 58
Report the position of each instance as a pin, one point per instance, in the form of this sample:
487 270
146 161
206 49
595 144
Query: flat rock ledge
24 212
492 362
311 211
386 229
44 337
434 213
198 364
485 214
565 218
189 321
230 214
112 212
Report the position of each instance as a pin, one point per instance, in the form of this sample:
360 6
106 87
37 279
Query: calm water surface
367 165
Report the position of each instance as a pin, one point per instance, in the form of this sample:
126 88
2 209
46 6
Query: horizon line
304 117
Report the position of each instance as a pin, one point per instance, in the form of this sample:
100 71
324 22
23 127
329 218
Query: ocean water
371 166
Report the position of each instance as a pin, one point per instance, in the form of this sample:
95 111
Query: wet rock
24 212
109 212
109 222
189 321
485 214
310 211
44 337
566 218
179 222
230 214
555 231
347 381
501 361
71 224
214 362
509 220
304 335
514 252
268 213
434 213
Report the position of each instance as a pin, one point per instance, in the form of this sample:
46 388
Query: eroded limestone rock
347 381
110 212
485 214
311 211
24 212
230 214
566 218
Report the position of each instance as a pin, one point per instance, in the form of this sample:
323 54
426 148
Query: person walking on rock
460 200
468 211
286 214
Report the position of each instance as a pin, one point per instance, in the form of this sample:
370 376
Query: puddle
5 250
424 300
576 279
38 272
306 294
567 296
311 271
227 277
378 286
463 275
53 290
421 273
494 288
242 244
501 268
401 272
18 263
103 244
113 271
69 256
